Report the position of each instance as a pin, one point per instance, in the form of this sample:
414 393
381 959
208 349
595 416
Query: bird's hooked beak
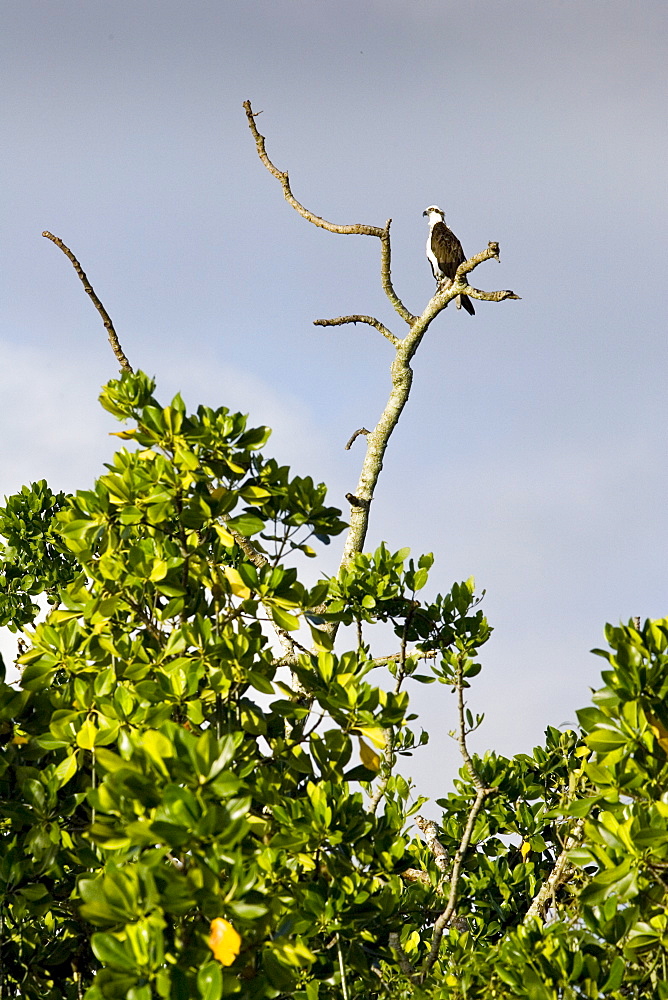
425 212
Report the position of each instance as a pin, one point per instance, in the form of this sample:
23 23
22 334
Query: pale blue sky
533 452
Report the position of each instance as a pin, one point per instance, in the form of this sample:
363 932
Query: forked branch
401 372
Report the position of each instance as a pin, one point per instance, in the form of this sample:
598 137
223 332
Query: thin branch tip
351 441
90 292
357 229
358 318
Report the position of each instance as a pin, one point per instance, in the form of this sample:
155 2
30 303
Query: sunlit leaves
369 757
161 764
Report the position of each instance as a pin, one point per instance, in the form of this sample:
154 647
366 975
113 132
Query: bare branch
400 370
358 229
88 288
557 876
461 733
342 969
360 430
482 792
369 320
492 252
430 831
419 654
386 276
476 293
258 559
449 911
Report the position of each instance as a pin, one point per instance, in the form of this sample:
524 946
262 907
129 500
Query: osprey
445 254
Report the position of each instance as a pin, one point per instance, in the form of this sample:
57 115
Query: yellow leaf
255 493
224 535
659 731
369 757
86 735
17 739
525 849
223 941
375 734
237 585
157 746
58 617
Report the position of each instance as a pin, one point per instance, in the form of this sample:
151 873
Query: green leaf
615 976
283 619
66 770
210 981
606 740
246 524
322 641
112 952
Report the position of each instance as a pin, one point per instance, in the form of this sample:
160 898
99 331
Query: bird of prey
445 254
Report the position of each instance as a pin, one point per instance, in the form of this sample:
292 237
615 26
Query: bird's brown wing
446 249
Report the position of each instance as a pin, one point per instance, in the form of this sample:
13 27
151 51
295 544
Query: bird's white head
435 214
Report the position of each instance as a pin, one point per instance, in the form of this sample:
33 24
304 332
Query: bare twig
342 969
358 502
482 792
369 320
386 276
88 288
449 911
381 661
388 760
351 441
146 619
462 287
461 732
557 876
357 229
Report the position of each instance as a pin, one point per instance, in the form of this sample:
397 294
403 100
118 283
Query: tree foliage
201 766
184 816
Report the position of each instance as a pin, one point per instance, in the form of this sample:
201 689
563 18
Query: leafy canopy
188 809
